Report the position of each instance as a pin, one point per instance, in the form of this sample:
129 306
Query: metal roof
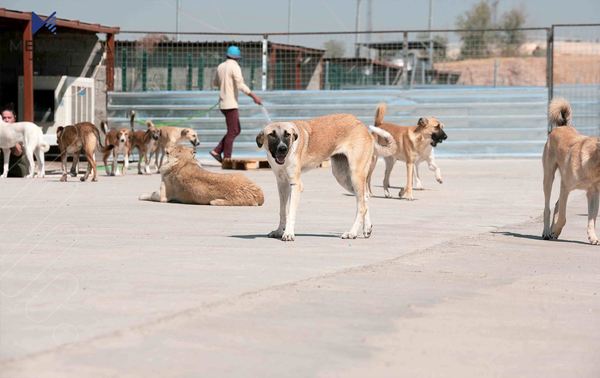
12 18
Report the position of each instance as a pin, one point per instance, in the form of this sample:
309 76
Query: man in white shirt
229 80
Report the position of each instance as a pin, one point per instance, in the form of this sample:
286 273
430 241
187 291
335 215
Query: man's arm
239 81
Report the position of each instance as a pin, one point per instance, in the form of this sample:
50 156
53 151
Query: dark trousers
232 118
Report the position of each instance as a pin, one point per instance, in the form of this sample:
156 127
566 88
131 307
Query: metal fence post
124 69
550 67
169 71
189 72
265 44
201 73
144 71
405 59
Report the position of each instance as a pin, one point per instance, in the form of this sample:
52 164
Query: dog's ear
185 132
422 122
260 139
295 134
149 124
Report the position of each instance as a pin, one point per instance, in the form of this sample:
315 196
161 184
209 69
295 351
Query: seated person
17 166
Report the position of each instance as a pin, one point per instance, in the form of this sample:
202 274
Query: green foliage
475 44
480 44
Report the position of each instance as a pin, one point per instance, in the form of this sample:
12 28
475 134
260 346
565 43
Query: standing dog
145 141
74 138
577 158
413 144
32 138
116 142
184 180
294 147
170 136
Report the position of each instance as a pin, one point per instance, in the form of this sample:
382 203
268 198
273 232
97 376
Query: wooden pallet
247 164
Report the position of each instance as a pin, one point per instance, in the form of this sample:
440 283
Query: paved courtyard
94 283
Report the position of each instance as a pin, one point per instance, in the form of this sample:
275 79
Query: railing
149 61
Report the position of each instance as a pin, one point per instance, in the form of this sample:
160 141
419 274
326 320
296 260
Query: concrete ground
94 283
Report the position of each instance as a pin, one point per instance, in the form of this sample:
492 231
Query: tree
334 49
475 44
511 39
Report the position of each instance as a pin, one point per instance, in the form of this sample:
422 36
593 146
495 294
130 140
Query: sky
307 15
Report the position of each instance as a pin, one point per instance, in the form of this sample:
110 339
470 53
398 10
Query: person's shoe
217 156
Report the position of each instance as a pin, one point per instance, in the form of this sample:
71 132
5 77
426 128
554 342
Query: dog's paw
594 242
288 236
275 234
387 194
439 180
367 231
73 173
82 178
63 178
348 235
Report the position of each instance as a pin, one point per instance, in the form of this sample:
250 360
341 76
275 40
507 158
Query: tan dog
184 180
117 142
294 147
170 136
577 158
414 144
74 138
145 141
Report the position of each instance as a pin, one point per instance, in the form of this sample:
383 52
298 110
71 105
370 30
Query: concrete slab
95 283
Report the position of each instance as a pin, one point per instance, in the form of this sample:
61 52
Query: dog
74 138
577 158
31 137
413 144
183 180
116 142
146 142
295 147
170 136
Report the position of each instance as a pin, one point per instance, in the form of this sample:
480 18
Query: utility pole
430 36
289 20
177 20
369 24
356 25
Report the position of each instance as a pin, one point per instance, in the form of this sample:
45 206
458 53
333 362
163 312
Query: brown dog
71 140
413 144
295 147
184 180
145 141
577 158
170 136
116 142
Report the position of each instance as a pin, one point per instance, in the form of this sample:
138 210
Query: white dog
32 138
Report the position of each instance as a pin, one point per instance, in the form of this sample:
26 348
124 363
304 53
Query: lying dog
294 147
577 158
146 142
117 142
184 180
31 137
74 138
170 136
413 144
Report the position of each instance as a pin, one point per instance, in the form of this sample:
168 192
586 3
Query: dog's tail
559 112
104 127
390 146
132 120
379 113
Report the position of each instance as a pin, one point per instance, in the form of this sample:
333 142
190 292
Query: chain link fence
576 73
346 60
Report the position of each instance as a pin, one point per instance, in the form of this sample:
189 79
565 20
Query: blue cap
234 52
